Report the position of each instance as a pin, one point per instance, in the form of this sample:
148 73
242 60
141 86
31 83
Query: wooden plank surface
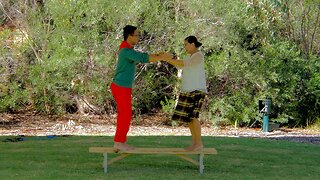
152 151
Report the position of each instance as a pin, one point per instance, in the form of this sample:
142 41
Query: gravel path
73 128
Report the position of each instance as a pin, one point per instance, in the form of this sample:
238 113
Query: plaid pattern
189 106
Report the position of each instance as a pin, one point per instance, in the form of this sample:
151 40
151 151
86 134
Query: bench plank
152 151
180 152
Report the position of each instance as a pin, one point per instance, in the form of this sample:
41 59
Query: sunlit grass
237 158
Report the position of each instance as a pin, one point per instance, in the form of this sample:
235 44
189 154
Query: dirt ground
32 124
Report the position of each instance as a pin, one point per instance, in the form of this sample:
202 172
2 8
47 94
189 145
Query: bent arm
176 62
195 59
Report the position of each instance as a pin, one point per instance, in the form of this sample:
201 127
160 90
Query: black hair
193 39
128 30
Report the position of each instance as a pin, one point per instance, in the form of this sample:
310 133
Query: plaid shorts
189 106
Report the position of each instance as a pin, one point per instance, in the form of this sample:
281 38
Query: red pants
122 96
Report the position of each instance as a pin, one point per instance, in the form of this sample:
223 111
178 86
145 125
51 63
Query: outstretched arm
161 56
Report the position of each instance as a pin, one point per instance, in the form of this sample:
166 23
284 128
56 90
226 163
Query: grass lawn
237 158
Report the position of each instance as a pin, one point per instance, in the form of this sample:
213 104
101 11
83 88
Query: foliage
60 51
257 62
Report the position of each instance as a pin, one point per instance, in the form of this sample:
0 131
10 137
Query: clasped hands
166 56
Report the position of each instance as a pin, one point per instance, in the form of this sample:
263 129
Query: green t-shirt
126 66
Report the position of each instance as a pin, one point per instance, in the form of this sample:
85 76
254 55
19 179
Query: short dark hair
128 30
193 39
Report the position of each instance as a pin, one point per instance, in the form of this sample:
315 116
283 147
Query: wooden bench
175 151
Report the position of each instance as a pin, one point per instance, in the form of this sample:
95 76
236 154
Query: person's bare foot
194 147
122 147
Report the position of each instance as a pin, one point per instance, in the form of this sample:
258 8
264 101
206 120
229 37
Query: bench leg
198 163
201 166
105 162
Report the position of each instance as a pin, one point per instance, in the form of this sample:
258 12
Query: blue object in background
265 127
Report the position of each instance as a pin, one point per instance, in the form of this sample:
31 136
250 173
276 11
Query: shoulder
124 52
198 55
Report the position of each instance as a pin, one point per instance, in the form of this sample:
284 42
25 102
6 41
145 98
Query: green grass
237 158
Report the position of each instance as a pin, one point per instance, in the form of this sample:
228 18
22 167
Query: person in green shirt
122 84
